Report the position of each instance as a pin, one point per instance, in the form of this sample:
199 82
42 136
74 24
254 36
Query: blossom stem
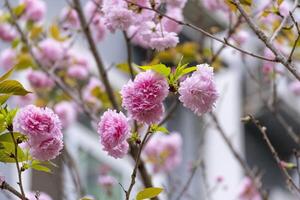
6 186
15 156
129 55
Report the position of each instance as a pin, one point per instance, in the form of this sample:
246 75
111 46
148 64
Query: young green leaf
7 74
148 193
4 98
9 149
41 168
12 87
160 68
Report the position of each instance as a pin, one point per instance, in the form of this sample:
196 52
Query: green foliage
156 128
24 61
124 67
18 10
148 193
160 68
40 166
12 87
7 153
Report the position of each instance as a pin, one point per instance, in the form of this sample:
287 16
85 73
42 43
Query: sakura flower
214 5
118 151
143 98
39 80
78 72
66 113
22 101
163 152
93 85
113 129
248 190
37 122
49 51
8 58
34 10
7 32
107 181
70 18
198 92
170 25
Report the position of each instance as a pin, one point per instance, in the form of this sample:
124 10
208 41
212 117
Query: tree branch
6 186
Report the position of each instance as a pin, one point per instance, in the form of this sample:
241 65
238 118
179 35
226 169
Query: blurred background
219 171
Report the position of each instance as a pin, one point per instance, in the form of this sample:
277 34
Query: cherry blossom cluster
43 129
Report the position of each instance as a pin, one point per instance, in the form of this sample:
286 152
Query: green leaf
24 61
188 70
6 137
4 98
155 128
55 33
9 148
148 193
15 43
41 168
18 10
160 68
12 87
246 2
125 68
7 74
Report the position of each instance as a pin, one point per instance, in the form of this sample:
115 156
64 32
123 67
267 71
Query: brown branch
202 31
297 39
137 162
129 55
6 186
262 36
87 32
263 131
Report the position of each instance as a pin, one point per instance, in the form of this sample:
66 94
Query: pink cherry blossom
8 58
39 80
118 151
248 191
46 149
113 129
214 5
198 92
163 152
66 113
78 72
295 87
7 32
34 10
117 15
143 98
41 196
22 101
107 181
175 3
37 122
49 51
168 24
69 18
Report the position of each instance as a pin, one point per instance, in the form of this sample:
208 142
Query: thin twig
129 55
6 186
297 39
15 156
87 32
280 27
262 36
263 131
223 41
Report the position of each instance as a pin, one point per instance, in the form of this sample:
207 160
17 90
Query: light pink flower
70 18
170 25
118 151
295 87
49 51
143 98
113 129
214 5
66 113
37 122
241 37
43 128
39 80
8 58
163 152
248 190
107 181
41 196
7 32
34 10
46 149
98 28
78 72
117 15
198 92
